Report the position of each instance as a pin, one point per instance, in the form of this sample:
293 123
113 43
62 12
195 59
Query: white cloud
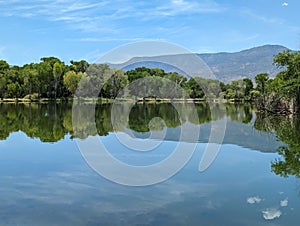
253 200
101 15
285 4
265 19
182 6
178 2
271 214
78 14
81 6
284 203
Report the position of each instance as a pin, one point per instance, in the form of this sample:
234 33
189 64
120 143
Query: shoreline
123 100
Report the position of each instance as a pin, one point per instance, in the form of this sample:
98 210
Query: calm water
46 181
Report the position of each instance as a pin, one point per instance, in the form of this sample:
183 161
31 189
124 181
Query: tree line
51 78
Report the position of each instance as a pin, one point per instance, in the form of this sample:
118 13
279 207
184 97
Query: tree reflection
52 122
287 131
240 112
141 115
42 121
290 164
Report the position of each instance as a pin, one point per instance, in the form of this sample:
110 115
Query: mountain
225 66
237 133
246 63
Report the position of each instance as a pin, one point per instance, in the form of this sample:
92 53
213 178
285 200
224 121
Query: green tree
290 77
44 78
157 72
177 78
3 85
58 71
248 86
4 66
71 80
79 66
114 84
50 60
138 73
13 89
238 88
261 80
14 82
194 89
93 81
30 76
52 72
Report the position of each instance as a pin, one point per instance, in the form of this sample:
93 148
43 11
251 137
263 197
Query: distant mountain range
237 133
225 66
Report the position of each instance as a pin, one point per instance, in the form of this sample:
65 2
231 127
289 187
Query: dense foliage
281 94
51 78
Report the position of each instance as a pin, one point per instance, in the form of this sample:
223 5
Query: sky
88 29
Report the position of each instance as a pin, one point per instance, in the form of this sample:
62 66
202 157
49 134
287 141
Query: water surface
46 181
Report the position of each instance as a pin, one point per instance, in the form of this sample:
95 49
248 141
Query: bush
33 96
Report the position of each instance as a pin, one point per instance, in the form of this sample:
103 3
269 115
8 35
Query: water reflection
45 182
264 132
287 131
46 122
51 122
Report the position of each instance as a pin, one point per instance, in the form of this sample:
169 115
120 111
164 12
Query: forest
52 78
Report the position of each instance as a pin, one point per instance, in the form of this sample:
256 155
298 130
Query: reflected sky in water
46 184
49 183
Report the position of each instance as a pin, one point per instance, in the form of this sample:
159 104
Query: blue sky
86 29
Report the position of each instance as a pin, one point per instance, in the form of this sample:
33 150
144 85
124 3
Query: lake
48 179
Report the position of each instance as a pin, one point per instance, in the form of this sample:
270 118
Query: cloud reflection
284 203
253 200
271 214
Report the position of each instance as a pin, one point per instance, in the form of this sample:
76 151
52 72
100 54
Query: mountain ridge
226 66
